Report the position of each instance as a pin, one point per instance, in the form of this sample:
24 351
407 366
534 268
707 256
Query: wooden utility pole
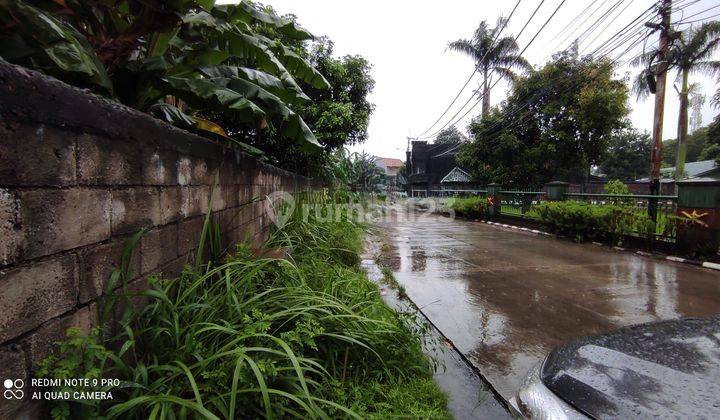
661 74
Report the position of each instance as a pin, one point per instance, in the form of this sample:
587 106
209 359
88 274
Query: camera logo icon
13 389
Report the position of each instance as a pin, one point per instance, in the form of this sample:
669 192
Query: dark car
668 369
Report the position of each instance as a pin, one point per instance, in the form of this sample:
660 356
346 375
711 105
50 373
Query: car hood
663 369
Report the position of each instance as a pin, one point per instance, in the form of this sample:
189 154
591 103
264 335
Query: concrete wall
78 176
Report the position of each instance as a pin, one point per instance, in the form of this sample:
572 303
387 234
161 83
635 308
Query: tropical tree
364 173
557 123
627 155
491 55
338 116
206 57
450 135
692 53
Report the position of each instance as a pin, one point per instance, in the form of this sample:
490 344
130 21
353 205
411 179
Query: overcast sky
416 77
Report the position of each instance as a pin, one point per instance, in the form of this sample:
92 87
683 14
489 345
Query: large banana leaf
293 126
248 13
39 38
192 89
299 67
291 94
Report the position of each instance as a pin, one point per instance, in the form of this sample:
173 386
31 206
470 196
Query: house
391 167
433 167
700 169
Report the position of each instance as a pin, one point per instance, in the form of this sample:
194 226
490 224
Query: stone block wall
79 175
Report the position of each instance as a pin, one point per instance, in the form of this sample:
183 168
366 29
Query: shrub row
470 207
593 221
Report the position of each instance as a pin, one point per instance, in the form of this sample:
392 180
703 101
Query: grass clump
305 336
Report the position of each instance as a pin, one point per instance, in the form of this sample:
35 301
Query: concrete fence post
699 207
494 199
556 190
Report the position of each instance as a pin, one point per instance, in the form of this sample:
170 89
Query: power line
476 69
696 20
530 19
698 13
597 23
566 27
627 28
498 80
581 24
497 35
574 86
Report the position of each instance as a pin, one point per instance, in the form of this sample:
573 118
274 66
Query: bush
593 221
616 187
306 335
470 207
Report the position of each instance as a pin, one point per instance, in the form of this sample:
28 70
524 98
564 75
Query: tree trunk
682 128
486 95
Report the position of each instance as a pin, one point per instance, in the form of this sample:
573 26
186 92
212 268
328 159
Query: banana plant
209 57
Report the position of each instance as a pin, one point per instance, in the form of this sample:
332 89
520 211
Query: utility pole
665 13
408 165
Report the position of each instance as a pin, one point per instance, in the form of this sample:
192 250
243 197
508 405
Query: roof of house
389 162
692 169
456 175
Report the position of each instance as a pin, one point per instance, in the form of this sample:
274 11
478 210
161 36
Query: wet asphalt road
506 298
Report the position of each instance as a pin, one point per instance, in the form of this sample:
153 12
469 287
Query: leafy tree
616 186
450 135
211 58
712 151
557 122
364 173
492 55
338 116
628 155
697 144
693 52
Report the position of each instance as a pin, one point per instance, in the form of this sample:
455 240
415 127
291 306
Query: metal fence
519 203
446 193
666 207
516 203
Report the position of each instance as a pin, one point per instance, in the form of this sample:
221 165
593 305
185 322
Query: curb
704 264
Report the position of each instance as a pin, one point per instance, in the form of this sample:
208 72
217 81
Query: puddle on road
469 397
506 298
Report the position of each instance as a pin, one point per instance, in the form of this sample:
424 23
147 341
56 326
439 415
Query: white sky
416 78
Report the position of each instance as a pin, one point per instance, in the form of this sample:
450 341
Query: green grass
307 336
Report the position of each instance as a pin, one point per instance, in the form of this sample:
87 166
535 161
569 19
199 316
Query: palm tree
492 55
693 53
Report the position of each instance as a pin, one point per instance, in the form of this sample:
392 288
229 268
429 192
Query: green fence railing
519 203
666 208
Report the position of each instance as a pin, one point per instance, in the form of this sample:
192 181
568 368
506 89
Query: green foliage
492 54
305 336
362 172
616 186
470 207
450 135
693 51
82 357
593 221
698 147
556 123
628 155
213 58
338 116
